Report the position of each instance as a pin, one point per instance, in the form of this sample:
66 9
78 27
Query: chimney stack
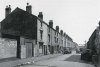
99 23
29 8
57 28
7 10
40 15
61 32
51 23
64 34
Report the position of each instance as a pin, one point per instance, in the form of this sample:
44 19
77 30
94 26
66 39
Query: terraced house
94 45
26 35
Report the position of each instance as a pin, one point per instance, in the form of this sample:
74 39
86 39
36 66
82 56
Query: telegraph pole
85 46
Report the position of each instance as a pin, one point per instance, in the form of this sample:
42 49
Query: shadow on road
8 59
76 58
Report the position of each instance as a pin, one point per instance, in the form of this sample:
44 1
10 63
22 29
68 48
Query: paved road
67 60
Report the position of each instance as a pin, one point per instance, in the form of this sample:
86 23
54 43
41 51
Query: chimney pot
29 8
64 34
9 6
57 28
7 10
99 23
51 23
27 4
61 32
40 15
6 6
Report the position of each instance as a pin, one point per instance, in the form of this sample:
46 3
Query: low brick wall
95 60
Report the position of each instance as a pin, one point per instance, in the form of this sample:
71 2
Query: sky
77 18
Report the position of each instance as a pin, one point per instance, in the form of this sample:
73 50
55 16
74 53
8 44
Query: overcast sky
78 18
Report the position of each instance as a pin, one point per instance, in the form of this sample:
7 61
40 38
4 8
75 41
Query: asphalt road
66 60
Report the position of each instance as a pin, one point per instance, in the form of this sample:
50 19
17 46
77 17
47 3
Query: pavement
66 60
20 62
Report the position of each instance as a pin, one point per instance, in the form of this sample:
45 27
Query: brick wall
8 48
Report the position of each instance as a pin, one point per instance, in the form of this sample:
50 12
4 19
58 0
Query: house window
41 34
49 47
41 24
62 41
55 39
55 32
40 46
65 42
49 29
49 37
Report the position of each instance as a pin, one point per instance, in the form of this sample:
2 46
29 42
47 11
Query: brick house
31 35
94 44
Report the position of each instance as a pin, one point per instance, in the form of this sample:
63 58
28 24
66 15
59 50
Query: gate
29 49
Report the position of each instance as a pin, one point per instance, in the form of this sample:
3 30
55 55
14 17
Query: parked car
86 55
67 51
78 51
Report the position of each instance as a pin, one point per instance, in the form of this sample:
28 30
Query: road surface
66 60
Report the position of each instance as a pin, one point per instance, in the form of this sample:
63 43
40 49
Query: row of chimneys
29 9
8 9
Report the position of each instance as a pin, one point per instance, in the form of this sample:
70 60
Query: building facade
31 34
94 45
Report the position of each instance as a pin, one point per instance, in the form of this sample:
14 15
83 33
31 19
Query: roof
93 36
20 19
91 42
20 23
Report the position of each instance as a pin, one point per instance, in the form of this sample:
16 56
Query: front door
41 47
